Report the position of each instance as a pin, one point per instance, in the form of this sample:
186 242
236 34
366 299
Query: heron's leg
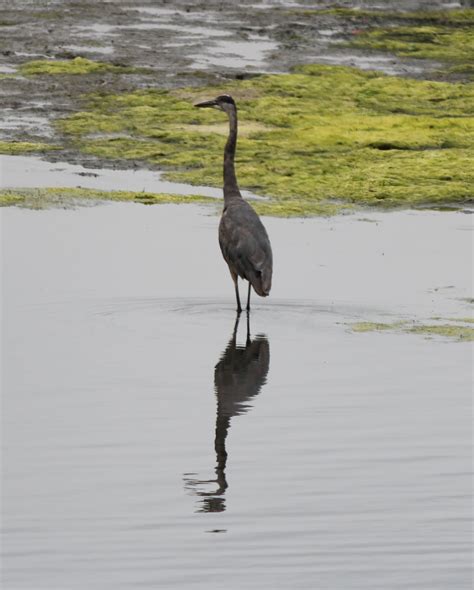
248 297
237 296
248 329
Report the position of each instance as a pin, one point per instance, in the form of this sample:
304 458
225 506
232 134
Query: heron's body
245 245
242 237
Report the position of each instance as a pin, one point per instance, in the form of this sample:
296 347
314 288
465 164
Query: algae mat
320 139
444 36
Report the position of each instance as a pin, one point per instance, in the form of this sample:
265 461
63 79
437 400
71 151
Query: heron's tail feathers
262 282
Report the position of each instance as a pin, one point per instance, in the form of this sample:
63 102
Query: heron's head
224 102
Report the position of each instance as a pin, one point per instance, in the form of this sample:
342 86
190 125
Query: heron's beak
206 103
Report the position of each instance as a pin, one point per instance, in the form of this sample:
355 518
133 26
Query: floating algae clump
452 331
43 198
375 326
465 333
318 140
78 65
21 147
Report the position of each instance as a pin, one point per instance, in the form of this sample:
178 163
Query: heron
243 238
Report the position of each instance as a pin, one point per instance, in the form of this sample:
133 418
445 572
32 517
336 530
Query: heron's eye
226 99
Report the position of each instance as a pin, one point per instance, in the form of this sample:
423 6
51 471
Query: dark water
149 442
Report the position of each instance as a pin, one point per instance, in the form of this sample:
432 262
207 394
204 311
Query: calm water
149 442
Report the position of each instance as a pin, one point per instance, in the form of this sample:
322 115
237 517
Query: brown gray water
144 448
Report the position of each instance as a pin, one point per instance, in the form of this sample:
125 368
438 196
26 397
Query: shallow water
33 172
252 52
107 50
144 447
17 120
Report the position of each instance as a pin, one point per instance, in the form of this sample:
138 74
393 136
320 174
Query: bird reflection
238 377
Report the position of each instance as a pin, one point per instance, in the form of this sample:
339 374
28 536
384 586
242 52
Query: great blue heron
242 237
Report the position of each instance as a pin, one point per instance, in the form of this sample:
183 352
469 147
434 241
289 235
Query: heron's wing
244 241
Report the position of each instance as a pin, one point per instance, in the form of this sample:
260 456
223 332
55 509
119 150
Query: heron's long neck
231 188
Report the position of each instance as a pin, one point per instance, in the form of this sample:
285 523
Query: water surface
149 442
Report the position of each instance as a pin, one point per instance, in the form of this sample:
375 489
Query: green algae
445 36
442 35
345 13
375 326
76 66
461 333
22 147
441 43
300 208
462 16
43 198
465 320
321 139
452 331
466 69
10 198
40 198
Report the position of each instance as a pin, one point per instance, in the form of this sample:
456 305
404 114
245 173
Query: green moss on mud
345 13
294 207
443 35
463 16
42 198
23 147
453 331
441 43
319 139
76 66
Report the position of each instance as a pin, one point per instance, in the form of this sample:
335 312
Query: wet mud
168 45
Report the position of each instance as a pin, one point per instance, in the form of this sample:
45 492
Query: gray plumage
242 237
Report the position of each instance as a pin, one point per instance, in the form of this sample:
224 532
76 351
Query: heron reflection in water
238 377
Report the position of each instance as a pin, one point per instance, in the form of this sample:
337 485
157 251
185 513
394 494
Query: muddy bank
53 57
170 45
321 140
